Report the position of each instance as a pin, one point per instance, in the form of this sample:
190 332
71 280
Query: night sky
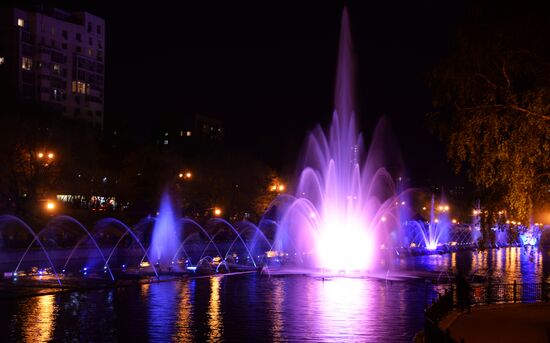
267 70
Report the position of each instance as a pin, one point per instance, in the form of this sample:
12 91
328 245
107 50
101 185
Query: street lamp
50 206
45 158
217 211
187 175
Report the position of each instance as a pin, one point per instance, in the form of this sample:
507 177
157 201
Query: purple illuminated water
437 230
165 240
344 206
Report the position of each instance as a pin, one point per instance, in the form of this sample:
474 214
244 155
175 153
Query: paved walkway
501 323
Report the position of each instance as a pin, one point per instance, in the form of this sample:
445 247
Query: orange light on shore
217 211
50 205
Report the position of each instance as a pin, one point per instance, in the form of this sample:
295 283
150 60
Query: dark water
256 309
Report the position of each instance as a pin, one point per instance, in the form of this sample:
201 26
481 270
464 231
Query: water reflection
252 308
184 332
276 310
215 322
163 310
344 300
36 319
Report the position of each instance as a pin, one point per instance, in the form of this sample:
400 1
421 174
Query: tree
492 105
234 181
28 171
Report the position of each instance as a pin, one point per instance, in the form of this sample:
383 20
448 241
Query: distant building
196 131
56 58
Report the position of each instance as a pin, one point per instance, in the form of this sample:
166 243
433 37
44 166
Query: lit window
90 52
166 133
80 87
1 60
20 22
181 133
188 133
56 68
165 142
26 63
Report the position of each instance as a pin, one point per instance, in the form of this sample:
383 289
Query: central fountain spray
341 212
165 239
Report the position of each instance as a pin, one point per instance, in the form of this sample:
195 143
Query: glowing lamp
50 206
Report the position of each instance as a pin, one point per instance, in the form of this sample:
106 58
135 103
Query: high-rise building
56 58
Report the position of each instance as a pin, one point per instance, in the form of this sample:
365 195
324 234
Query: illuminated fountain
344 204
436 231
165 239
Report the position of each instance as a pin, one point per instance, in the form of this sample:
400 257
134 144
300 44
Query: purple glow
342 206
165 240
437 230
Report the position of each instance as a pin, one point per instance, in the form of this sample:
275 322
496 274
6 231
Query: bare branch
486 79
531 113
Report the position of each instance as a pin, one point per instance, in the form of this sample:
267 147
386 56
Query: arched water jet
74 221
238 235
128 230
125 233
19 221
197 225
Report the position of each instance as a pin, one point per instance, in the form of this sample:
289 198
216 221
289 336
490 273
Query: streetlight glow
50 205
217 211
40 155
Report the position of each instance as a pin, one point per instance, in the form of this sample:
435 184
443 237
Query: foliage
492 101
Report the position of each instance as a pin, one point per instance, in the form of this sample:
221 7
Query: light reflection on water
253 308
37 316
215 320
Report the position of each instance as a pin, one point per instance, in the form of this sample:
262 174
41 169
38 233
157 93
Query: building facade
55 58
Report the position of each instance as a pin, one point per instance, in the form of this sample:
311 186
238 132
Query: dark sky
267 68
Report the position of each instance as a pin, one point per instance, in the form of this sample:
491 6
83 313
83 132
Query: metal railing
497 293
483 294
